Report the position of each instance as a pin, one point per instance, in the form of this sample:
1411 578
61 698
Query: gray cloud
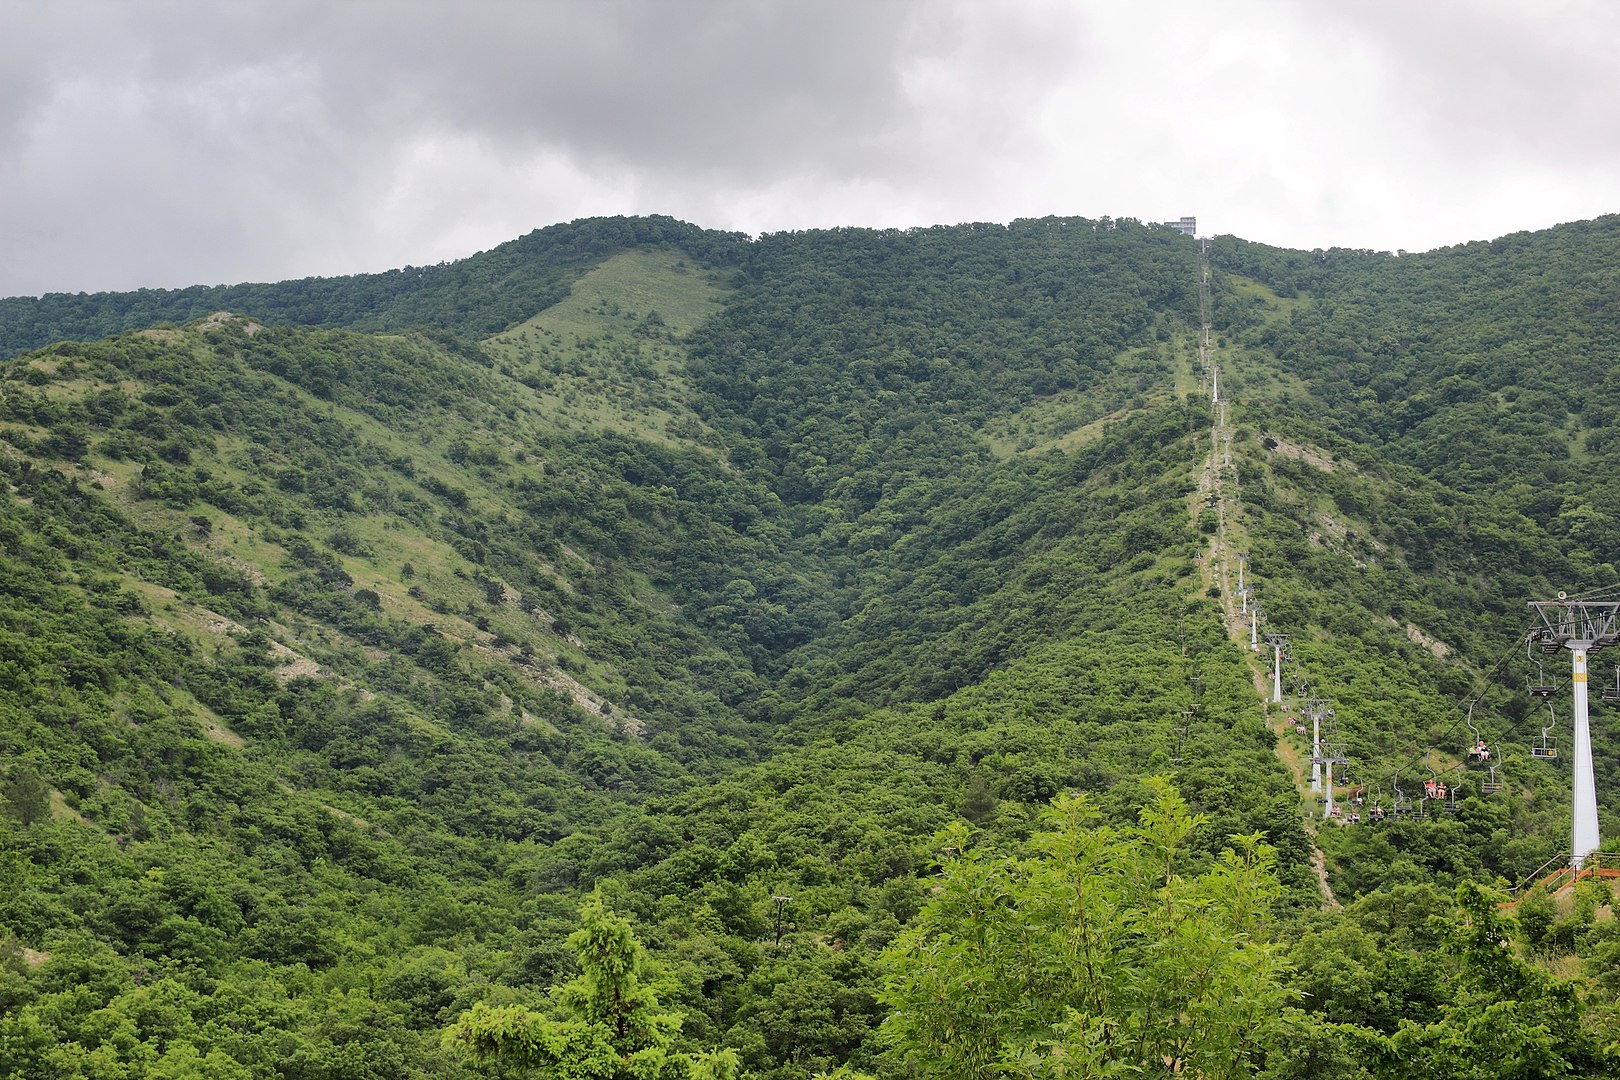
167 143
1485 79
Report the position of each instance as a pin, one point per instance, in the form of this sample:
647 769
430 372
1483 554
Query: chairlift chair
1401 804
1611 694
1540 685
1480 752
1544 747
1490 787
1443 795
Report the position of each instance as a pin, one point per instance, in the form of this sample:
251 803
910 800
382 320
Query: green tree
614 1028
26 795
1097 954
1505 1017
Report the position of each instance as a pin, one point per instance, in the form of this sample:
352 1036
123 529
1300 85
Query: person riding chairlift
1481 751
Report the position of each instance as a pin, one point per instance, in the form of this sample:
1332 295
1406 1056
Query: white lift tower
1583 627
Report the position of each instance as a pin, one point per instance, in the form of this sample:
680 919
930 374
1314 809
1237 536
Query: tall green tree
612 1028
1099 953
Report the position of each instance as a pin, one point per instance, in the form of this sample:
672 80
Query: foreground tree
613 1029
1097 955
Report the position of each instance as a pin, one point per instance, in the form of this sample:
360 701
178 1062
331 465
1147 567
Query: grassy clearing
1136 380
609 357
1272 306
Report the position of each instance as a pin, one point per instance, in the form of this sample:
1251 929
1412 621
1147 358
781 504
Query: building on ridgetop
1188 225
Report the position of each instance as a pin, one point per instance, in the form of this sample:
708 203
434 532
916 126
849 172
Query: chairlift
1544 747
1480 753
1490 787
1440 793
1611 694
1540 686
1400 805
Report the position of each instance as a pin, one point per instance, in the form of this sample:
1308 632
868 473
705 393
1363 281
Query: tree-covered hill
771 592
471 297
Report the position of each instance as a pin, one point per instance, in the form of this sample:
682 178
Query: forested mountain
844 615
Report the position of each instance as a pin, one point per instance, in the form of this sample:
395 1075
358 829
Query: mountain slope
722 575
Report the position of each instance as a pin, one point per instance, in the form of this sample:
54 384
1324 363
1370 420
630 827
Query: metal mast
1583 627
1332 754
1313 709
1278 643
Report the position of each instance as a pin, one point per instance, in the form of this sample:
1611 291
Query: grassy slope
609 356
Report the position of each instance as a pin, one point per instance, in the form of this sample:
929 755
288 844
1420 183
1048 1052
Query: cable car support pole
1582 627
1316 752
1278 643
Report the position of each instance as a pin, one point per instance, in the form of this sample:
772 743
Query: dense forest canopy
639 650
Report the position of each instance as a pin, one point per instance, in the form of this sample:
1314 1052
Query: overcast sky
147 143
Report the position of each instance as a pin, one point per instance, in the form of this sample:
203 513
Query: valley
802 607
